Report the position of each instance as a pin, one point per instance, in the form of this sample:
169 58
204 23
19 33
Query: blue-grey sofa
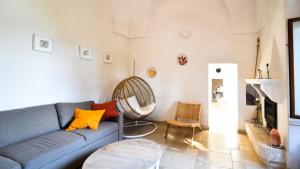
34 137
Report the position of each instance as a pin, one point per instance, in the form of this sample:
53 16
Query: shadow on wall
106 93
275 65
170 110
272 57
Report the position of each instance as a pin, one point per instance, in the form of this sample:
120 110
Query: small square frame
42 44
107 57
85 53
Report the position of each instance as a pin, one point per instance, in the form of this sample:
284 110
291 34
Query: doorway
222 95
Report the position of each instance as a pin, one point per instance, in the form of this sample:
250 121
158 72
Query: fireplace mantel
267 87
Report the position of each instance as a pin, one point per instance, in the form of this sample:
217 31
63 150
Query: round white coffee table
126 154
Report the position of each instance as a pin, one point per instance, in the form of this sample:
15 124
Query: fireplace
270 113
268 106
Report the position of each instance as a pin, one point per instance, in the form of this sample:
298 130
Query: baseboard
242 131
204 127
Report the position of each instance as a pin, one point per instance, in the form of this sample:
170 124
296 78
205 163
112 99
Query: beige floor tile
181 161
219 149
237 165
215 159
166 158
246 148
177 146
205 166
191 150
229 142
200 146
248 157
243 140
208 151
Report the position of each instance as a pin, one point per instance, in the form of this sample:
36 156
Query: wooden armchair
187 115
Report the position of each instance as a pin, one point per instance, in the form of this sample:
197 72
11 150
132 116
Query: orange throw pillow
86 119
109 107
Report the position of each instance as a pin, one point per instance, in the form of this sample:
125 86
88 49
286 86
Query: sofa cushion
20 124
109 107
65 111
86 119
42 150
105 128
6 163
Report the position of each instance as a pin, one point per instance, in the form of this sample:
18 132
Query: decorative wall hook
182 59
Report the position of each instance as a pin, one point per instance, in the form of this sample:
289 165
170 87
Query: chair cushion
65 111
134 104
105 128
21 124
40 151
6 163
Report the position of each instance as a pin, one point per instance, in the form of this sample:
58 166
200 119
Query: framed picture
107 57
42 44
85 53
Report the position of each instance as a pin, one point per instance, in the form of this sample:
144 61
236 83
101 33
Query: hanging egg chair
136 101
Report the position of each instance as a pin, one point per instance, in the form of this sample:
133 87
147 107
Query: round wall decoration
182 59
151 72
185 34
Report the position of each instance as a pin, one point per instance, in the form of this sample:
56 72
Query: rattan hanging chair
136 100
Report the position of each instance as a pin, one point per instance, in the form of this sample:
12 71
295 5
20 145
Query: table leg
157 164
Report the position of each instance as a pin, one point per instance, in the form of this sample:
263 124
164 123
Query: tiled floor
208 151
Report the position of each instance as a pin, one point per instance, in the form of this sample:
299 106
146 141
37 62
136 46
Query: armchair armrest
120 121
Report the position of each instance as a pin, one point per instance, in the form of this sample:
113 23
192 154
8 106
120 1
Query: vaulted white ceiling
242 15
131 17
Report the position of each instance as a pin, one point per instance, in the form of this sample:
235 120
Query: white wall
292 8
273 51
32 78
211 41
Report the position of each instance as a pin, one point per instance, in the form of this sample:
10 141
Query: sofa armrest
120 121
6 163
